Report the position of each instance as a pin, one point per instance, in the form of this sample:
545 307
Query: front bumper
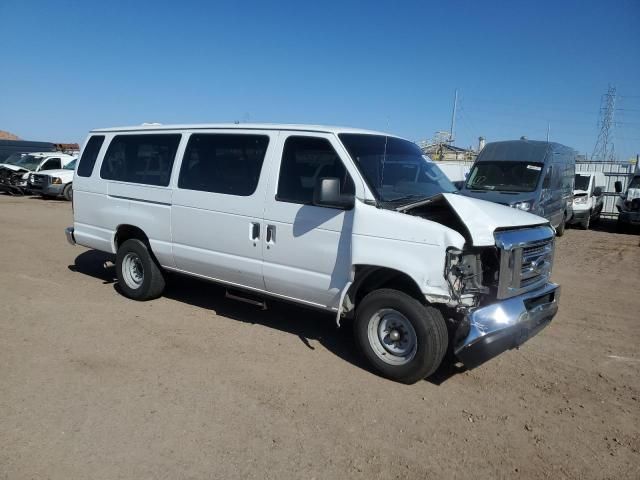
506 324
69 234
50 189
580 215
631 217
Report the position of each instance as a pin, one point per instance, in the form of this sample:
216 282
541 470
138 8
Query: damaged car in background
16 169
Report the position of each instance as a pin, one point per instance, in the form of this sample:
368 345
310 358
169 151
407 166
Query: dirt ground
192 385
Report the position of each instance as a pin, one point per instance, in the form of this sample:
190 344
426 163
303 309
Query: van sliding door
216 221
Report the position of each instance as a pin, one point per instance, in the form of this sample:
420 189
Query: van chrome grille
526 260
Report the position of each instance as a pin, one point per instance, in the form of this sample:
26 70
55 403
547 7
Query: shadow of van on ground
610 225
305 323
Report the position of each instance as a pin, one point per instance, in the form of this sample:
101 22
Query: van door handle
271 234
255 231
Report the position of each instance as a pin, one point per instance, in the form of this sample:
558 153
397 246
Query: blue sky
68 67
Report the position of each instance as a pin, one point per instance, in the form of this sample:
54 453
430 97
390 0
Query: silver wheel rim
132 270
392 337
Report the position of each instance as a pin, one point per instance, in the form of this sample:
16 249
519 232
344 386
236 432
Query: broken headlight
463 272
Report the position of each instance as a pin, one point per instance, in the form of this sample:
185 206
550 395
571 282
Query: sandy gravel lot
93 385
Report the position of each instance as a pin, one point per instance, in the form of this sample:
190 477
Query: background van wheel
139 276
401 338
67 193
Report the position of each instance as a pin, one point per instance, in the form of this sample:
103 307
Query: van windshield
505 176
395 169
582 182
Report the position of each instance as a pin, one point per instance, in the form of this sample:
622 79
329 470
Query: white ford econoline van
350 221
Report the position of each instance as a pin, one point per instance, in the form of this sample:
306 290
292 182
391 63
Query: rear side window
145 159
89 155
304 161
223 163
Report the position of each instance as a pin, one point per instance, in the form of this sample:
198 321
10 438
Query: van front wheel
139 276
401 338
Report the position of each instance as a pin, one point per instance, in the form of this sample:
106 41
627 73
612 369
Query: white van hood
480 218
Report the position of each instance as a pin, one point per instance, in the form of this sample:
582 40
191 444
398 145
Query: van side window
52 164
146 159
304 161
223 163
89 156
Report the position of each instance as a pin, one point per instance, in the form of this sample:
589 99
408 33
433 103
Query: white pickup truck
54 183
353 222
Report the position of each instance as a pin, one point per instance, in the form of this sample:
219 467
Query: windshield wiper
405 198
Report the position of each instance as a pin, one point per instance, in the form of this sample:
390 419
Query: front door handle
271 234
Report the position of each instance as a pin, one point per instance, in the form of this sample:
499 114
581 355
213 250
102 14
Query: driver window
304 161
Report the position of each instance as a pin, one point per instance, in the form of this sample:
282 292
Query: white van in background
353 222
456 172
588 198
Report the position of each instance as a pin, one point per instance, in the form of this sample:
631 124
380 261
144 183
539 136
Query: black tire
152 280
621 227
429 327
67 193
562 226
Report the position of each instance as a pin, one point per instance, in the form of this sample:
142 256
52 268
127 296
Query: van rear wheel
401 338
139 276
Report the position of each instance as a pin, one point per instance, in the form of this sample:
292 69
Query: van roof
242 126
522 150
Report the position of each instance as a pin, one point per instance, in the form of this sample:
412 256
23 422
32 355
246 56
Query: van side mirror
618 186
327 194
597 191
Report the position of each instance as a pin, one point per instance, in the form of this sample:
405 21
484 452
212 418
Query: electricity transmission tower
604 150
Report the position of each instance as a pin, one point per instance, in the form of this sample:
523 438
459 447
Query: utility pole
604 150
453 118
548 130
